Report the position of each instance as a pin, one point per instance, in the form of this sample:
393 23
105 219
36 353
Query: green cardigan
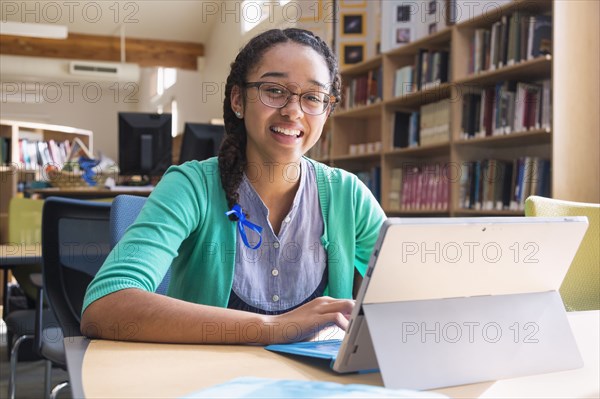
183 225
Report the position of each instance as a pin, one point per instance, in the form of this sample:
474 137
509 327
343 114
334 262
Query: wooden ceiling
144 52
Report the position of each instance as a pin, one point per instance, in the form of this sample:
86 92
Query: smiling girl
264 244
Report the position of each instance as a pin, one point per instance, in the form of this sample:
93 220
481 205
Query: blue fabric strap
242 221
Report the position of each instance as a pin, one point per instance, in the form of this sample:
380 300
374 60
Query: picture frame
432 8
353 53
403 13
402 35
353 24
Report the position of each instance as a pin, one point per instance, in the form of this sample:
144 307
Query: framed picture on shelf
402 35
353 24
432 7
353 53
403 13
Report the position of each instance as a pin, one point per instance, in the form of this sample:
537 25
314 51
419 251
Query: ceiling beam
144 52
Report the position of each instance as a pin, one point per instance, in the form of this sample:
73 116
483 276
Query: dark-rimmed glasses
275 95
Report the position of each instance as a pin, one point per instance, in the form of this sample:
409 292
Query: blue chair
124 211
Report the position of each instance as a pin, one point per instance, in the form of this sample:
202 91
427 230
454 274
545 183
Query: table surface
124 369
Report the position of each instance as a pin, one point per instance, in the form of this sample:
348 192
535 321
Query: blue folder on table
318 349
253 387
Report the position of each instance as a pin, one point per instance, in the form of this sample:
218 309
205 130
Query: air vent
56 69
91 68
105 70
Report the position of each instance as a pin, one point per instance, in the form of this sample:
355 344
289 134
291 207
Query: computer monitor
145 144
200 141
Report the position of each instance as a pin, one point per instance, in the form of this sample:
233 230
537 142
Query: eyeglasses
275 95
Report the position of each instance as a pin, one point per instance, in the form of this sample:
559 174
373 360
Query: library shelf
568 142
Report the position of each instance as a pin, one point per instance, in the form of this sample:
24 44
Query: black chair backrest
75 243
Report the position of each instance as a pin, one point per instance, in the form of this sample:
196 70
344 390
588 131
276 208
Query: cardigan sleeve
144 254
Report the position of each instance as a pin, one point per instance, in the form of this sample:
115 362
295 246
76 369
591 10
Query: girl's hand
307 320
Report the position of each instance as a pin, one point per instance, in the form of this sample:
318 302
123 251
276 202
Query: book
4 150
403 81
542 36
395 188
434 126
414 136
78 149
401 129
471 110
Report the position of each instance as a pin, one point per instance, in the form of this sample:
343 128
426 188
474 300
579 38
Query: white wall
85 105
220 50
199 94
94 106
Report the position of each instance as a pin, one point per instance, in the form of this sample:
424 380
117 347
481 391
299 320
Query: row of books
429 126
372 179
419 188
506 108
492 184
515 38
363 89
429 70
33 154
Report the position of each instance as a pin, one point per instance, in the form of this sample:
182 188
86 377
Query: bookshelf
361 132
12 168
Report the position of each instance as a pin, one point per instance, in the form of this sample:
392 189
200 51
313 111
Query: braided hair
232 154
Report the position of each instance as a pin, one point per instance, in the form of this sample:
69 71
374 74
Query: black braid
232 155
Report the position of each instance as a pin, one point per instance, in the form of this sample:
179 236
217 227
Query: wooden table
111 369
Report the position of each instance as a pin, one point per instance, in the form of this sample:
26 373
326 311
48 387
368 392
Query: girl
264 245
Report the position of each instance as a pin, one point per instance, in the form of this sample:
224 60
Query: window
165 78
170 108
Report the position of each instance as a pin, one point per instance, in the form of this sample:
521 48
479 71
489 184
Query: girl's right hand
307 320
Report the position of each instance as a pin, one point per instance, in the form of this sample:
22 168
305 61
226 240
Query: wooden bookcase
13 170
570 143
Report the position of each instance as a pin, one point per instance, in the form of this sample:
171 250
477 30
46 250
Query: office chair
124 211
75 243
24 227
580 289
